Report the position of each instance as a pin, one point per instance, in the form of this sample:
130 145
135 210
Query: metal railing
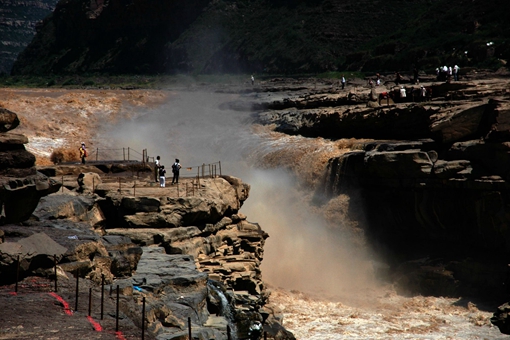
119 154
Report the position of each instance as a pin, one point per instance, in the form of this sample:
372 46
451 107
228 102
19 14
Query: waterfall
225 307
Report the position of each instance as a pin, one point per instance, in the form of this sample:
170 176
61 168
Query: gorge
319 239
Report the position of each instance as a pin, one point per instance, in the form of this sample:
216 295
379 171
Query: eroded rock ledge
191 256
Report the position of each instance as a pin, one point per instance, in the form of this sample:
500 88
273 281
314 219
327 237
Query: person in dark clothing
175 169
162 176
157 165
83 152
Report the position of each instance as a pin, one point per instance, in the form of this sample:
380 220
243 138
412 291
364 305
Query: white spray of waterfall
301 251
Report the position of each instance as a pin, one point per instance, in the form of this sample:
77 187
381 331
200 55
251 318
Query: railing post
189 328
17 275
90 301
123 154
77 291
220 167
55 263
143 318
128 153
102 295
97 153
117 312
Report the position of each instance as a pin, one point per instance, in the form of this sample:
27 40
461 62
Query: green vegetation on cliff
267 36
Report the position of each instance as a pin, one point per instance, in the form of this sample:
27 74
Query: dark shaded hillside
274 36
448 32
17 27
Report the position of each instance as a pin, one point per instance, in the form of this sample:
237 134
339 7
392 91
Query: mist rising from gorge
302 252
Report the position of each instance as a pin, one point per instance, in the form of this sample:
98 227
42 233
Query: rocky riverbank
190 255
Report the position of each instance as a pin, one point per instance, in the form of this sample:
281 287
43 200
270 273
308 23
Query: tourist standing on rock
456 69
83 152
403 94
423 94
343 82
252 79
175 169
157 164
162 178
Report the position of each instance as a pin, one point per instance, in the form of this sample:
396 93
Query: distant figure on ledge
83 152
162 176
157 164
175 169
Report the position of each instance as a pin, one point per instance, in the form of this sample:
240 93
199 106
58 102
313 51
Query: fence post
17 275
117 312
55 264
189 328
97 153
220 167
128 153
102 295
210 173
143 318
203 167
77 291
90 301
123 154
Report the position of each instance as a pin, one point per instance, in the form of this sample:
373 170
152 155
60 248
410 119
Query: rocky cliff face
428 179
21 186
18 21
190 253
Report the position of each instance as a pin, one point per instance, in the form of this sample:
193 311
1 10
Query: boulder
34 252
8 120
460 122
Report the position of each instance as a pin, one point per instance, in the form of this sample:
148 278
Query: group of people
446 73
160 172
413 94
